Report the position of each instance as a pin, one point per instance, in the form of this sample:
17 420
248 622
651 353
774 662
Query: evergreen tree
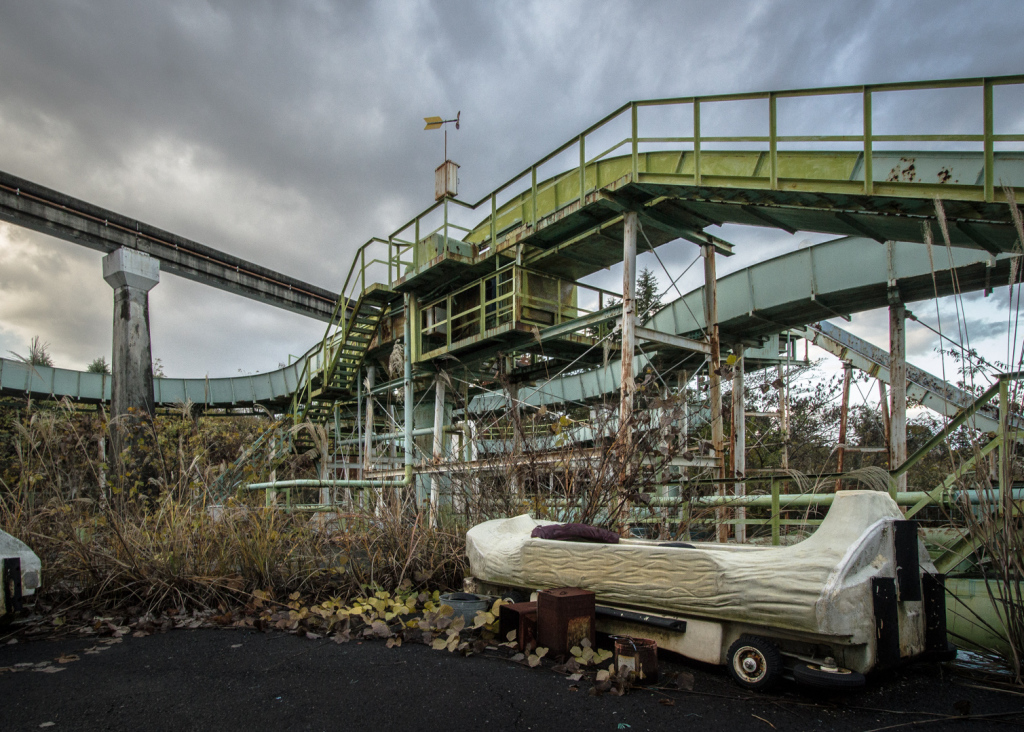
99 366
648 301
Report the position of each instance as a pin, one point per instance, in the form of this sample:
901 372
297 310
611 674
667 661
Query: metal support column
410 303
715 377
627 383
844 416
898 384
371 377
739 442
438 451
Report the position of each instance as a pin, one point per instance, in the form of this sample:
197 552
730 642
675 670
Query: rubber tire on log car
755 662
812 675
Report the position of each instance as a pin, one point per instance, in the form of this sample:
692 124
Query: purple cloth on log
575 532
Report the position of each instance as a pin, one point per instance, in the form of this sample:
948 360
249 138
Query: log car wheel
755 662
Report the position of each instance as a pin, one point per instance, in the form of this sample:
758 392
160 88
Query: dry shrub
163 554
391 542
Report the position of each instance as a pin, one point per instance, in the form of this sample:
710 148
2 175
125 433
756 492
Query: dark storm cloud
290 133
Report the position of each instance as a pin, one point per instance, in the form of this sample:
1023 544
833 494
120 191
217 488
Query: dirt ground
246 680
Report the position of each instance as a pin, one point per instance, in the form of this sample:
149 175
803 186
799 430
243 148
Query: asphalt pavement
248 680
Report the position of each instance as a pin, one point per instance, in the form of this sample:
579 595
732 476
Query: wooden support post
898 384
739 443
844 416
438 452
715 378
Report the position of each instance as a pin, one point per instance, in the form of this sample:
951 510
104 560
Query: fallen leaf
237 645
48 724
667 702
50 669
67 658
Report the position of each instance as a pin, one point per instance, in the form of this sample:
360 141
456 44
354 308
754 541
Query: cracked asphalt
246 680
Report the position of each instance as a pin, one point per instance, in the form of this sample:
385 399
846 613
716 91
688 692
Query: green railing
527 209
513 294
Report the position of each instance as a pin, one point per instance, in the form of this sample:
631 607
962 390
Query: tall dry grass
110 541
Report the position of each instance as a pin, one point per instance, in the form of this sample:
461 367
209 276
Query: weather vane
446 177
436 123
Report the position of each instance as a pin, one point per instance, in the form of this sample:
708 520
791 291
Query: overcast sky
290 133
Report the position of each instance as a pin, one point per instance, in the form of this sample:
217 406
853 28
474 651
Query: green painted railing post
583 171
869 176
636 143
696 142
481 313
990 161
776 538
773 142
494 226
533 196
416 247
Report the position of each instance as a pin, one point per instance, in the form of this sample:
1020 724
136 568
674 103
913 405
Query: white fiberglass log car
861 593
20 571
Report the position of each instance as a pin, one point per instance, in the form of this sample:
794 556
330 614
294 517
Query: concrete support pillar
898 384
132 274
715 377
739 442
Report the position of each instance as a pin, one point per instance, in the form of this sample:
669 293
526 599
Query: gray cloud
291 133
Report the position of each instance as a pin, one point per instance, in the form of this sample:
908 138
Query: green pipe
317 483
906 498
379 436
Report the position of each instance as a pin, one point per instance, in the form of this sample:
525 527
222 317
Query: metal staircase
337 379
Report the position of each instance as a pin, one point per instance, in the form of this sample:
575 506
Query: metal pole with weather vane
446 176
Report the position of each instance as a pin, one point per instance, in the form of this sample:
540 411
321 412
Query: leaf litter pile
404 616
